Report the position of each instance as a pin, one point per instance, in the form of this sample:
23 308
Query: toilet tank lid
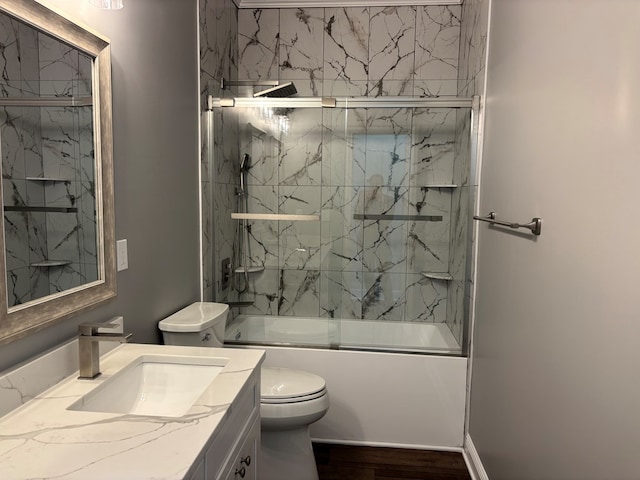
195 318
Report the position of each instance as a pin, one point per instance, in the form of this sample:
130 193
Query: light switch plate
121 255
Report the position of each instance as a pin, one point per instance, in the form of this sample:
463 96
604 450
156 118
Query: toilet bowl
290 400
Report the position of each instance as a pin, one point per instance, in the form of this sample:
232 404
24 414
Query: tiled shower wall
51 142
342 166
352 51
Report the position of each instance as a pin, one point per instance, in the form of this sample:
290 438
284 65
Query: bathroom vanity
82 429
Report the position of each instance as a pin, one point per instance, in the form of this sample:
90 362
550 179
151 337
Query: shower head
284 90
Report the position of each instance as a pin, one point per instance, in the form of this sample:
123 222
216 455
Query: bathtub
382 393
332 333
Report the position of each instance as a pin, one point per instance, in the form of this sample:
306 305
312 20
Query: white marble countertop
44 440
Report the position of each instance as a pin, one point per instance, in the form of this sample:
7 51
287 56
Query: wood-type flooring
347 462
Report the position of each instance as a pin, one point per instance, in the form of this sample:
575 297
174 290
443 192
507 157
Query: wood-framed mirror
56 144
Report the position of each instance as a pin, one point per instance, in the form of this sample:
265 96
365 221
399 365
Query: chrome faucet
88 340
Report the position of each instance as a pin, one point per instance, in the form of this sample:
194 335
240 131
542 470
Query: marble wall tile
263 235
342 235
346 44
437 44
368 161
299 293
387 146
263 290
341 294
432 151
258 43
344 146
428 242
384 296
299 241
300 54
391 52
426 299
300 154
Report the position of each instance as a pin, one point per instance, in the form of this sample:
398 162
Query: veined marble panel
428 242
342 235
391 52
387 146
384 296
341 294
299 293
300 155
344 146
263 290
432 152
299 242
301 56
263 235
384 241
437 41
426 299
262 147
258 43
346 44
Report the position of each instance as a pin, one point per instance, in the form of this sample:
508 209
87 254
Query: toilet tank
201 324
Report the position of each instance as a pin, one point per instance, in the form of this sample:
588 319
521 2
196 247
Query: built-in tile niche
48 168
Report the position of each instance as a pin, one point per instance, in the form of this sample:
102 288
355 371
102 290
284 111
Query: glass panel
384 267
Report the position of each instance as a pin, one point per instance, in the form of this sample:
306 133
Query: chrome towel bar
535 225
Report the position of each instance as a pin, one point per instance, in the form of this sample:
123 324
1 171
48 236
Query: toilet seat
286 385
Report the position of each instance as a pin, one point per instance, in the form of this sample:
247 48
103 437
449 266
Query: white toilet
291 400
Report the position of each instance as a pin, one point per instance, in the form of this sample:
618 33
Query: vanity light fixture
107 4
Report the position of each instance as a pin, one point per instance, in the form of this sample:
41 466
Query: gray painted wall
556 378
155 91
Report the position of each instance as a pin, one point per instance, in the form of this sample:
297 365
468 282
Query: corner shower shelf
254 269
24 208
50 263
438 276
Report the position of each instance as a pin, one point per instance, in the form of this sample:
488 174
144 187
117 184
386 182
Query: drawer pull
246 460
241 472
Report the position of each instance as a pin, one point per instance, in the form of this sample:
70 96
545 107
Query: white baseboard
359 443
472 459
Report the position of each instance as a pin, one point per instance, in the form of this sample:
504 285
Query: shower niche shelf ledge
438 276
250 269
24 208
440 185
48 179
50 263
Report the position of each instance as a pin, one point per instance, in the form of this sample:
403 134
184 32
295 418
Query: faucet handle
92 328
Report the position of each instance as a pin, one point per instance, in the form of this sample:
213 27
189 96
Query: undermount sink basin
153 385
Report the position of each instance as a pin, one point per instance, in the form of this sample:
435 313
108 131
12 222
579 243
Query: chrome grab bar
535 225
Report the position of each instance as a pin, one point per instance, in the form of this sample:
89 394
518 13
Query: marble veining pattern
79 445
368 161
46 142
341 164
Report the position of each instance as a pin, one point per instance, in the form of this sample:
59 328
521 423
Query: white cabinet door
244 466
